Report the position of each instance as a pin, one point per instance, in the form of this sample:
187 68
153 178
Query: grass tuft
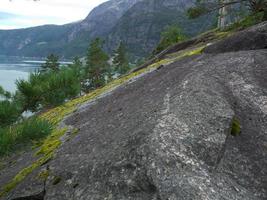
236 129
13 137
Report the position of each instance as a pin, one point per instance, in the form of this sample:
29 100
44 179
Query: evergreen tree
4 94
77 68
96 66
10 110
120 60
170 36
51 63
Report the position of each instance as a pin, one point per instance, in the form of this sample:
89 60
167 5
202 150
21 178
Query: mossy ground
49 146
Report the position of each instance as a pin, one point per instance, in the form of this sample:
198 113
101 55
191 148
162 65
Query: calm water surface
14 68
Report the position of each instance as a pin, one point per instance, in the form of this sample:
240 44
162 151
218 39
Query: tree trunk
222 21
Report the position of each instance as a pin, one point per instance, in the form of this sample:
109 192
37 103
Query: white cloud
30 13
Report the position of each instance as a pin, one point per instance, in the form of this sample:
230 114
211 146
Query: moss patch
52 142
46 152
23 173
43 175
236 129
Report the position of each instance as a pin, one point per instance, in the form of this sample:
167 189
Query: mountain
138 23
66 40
102 19
190 126
142 24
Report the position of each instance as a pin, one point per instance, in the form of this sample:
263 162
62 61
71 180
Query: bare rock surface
249 39
167 135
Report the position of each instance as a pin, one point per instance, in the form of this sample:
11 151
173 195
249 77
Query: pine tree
96 66
170 36
77 67
120 60
51 63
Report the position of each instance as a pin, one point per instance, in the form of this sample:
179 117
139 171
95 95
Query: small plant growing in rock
56 180
43 175
236 129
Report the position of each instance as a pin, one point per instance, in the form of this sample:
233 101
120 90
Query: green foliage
9 112
236 129
11 138
96 66
48 89
10 109
205 6
4 94
172 35
247 21
195 12
51 63
120 60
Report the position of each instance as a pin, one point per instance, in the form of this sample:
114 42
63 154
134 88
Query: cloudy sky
27 13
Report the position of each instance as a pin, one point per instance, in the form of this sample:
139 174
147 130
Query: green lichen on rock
46 152
235 129
24 173
43 175
185 53
52 142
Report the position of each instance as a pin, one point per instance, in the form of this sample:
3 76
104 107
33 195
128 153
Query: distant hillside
141 26
136 22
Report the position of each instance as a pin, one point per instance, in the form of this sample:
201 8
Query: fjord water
14 68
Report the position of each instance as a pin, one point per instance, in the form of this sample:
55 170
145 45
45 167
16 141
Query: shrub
9 112
248 21
13 137
170 36
48 89
10 109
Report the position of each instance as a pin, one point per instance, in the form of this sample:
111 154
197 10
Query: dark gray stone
251 39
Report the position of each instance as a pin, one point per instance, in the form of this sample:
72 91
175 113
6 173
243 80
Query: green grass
13 137
246 22
236 129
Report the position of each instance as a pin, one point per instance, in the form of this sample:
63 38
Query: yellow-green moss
56 115
222 34
235 129
181 54
52 142
46 152
23 173
43 175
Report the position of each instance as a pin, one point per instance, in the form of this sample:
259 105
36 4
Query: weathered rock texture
167 135
250 39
